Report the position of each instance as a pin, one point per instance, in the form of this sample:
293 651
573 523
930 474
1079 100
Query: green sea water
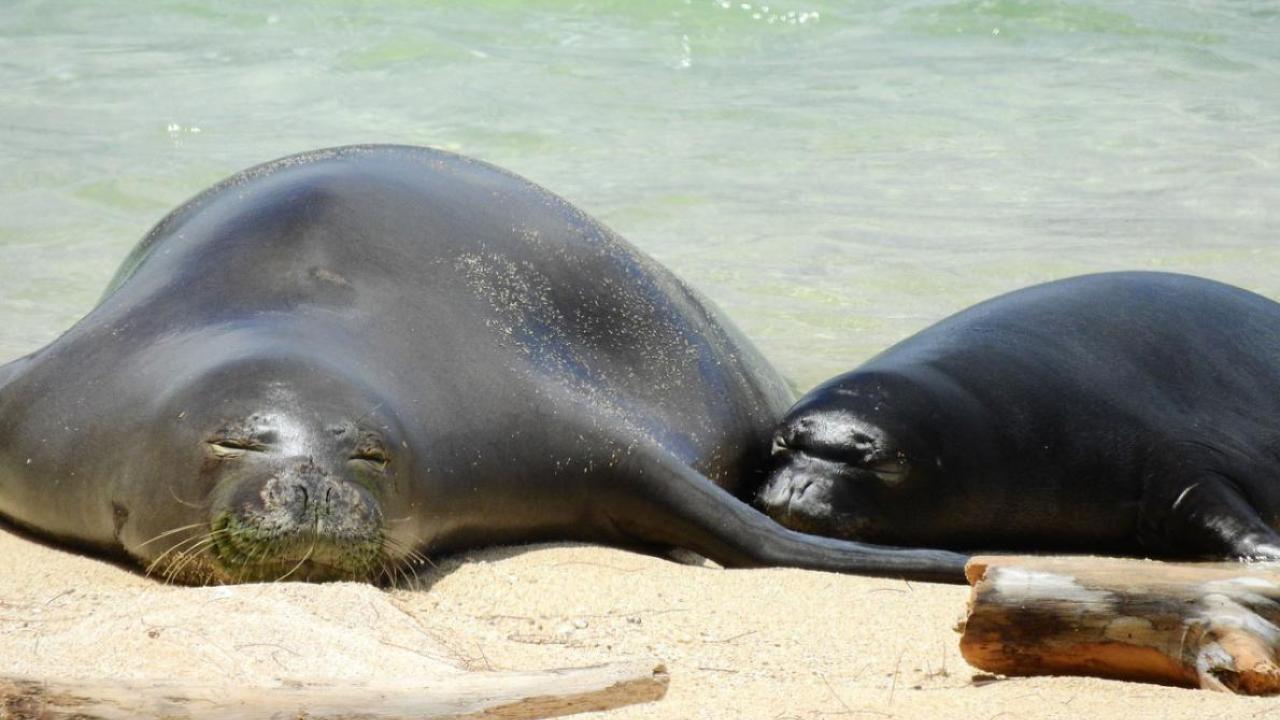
836 175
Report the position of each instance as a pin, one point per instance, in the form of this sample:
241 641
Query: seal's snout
299 520
795 496
304 498
813 493
830 433
310 496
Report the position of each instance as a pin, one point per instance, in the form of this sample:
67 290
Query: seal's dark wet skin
329 366
1124 413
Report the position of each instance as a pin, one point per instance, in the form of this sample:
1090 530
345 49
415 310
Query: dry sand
739 644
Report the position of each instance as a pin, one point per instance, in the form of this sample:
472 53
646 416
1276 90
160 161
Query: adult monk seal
1127 413
329 365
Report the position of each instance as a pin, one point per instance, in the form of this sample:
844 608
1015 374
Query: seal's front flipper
1212 518
669 503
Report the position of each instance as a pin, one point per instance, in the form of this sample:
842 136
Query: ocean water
834 174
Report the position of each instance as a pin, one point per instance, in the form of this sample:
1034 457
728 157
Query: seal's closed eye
375 457
230 448
890 470
370 449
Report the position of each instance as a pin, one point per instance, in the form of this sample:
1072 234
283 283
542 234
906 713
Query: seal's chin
244 552
799 500
808 499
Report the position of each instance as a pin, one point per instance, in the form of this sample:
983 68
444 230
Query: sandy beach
739 644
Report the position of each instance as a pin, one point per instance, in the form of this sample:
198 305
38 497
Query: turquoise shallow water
836 175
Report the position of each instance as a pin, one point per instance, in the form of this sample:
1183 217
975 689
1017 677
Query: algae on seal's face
248 552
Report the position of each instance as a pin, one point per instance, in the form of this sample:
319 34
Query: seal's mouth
819 496
243 552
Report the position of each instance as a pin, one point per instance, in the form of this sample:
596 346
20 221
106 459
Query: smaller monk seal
330 365
1123 413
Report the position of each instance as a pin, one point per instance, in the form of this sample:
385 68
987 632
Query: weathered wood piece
466 695
1195 625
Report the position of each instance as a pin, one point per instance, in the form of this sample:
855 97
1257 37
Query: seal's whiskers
185 541
301 562
167 533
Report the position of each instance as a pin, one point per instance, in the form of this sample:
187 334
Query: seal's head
858 458
275 470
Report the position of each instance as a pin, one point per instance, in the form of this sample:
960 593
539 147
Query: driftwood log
466 695
1194 625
